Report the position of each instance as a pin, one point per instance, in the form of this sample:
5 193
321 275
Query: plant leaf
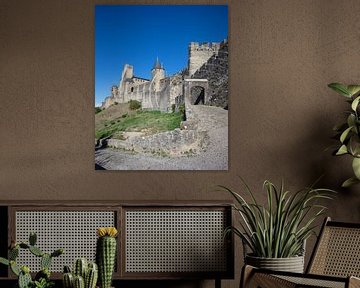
342 150
351 120
353 89
355 103
345 134
4 261
340 88
356 167
349 182
354 145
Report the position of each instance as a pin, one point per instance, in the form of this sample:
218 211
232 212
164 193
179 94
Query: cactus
45 261
67 269
24 245
79 282
32 238
80 268
24 277
91 276
36 251
57 252
68 280
105 254
89 272
42 278
44 273
13 253
14 268
4 261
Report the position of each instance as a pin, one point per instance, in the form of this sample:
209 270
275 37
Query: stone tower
200 53
158 73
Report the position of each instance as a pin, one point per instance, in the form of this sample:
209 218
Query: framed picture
161 87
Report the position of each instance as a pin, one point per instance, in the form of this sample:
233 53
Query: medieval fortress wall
215 70
199 54
162 92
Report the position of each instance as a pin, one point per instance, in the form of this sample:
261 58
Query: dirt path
214 120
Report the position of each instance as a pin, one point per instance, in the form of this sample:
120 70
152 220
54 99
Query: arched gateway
196 91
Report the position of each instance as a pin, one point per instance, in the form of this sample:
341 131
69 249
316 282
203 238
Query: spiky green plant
279 229
85 274
79 282
106 254
68 279
42 278
91 276
348 132
80 267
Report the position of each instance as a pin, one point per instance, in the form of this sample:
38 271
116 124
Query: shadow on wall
310 154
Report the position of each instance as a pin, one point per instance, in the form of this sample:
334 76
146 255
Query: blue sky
137 34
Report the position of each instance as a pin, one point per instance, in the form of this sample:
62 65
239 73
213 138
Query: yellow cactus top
106 231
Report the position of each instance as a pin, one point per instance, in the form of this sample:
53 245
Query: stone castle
204 81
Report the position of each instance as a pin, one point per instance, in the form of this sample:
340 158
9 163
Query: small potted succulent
275 233
348 132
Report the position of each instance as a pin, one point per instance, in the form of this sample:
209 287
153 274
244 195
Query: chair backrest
337 251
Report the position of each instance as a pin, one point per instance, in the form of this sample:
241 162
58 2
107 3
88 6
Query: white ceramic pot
291 264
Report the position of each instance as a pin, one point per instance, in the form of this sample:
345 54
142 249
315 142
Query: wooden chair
334 263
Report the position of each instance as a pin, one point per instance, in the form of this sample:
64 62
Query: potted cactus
106 254
42 278
85 275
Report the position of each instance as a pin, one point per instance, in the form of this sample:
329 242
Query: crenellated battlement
200 52
204 46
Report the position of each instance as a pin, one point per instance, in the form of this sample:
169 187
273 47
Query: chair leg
217 282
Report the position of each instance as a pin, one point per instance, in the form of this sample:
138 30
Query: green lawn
149 122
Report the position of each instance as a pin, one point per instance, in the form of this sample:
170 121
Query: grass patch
148 122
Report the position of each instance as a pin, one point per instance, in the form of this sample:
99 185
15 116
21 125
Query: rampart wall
175 143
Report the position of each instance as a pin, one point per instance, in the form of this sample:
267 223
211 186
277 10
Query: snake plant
348 132
279 228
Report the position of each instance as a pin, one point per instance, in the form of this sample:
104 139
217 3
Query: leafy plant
43 283
349 132
134 104
279 229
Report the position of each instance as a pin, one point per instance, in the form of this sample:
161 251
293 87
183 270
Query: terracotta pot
291 264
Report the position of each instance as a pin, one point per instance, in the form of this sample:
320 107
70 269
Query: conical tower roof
157 64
